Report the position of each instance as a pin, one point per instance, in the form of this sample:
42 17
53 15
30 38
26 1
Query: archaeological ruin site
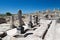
43 25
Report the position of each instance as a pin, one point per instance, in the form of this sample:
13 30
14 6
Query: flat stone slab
57 32
51 34
40 30
12 32
4 27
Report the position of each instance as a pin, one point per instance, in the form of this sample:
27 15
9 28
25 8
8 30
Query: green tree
8 14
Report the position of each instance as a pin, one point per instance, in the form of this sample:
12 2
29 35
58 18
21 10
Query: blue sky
27 6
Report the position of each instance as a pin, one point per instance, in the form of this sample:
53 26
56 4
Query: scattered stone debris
2 20
58 20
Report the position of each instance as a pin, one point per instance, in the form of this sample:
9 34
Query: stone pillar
12 22
21 28
20 17
30 22
34 18
31 18
37 20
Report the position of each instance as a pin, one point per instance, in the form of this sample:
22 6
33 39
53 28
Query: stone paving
53 32
37 34
57 32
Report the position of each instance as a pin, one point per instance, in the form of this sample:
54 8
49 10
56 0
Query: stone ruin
12 22
58 20
2 20
20 28
36 19
30 22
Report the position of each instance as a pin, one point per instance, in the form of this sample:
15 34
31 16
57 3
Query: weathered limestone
46 16
20 17
12 22
21 28
12 32
9 38
46 30
5 27
51 34
2 20
34 19
31 18
37 20
40 31
2 35
30 22
58 20
57 32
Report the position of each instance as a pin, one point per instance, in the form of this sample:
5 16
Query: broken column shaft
30 22
31 18
12 20
37 20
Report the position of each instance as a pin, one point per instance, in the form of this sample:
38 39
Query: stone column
30 22
31 18
37 20
21 28
12 22
34 19
20 17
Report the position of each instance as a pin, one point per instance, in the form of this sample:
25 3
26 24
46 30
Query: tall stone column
21 28
20 17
